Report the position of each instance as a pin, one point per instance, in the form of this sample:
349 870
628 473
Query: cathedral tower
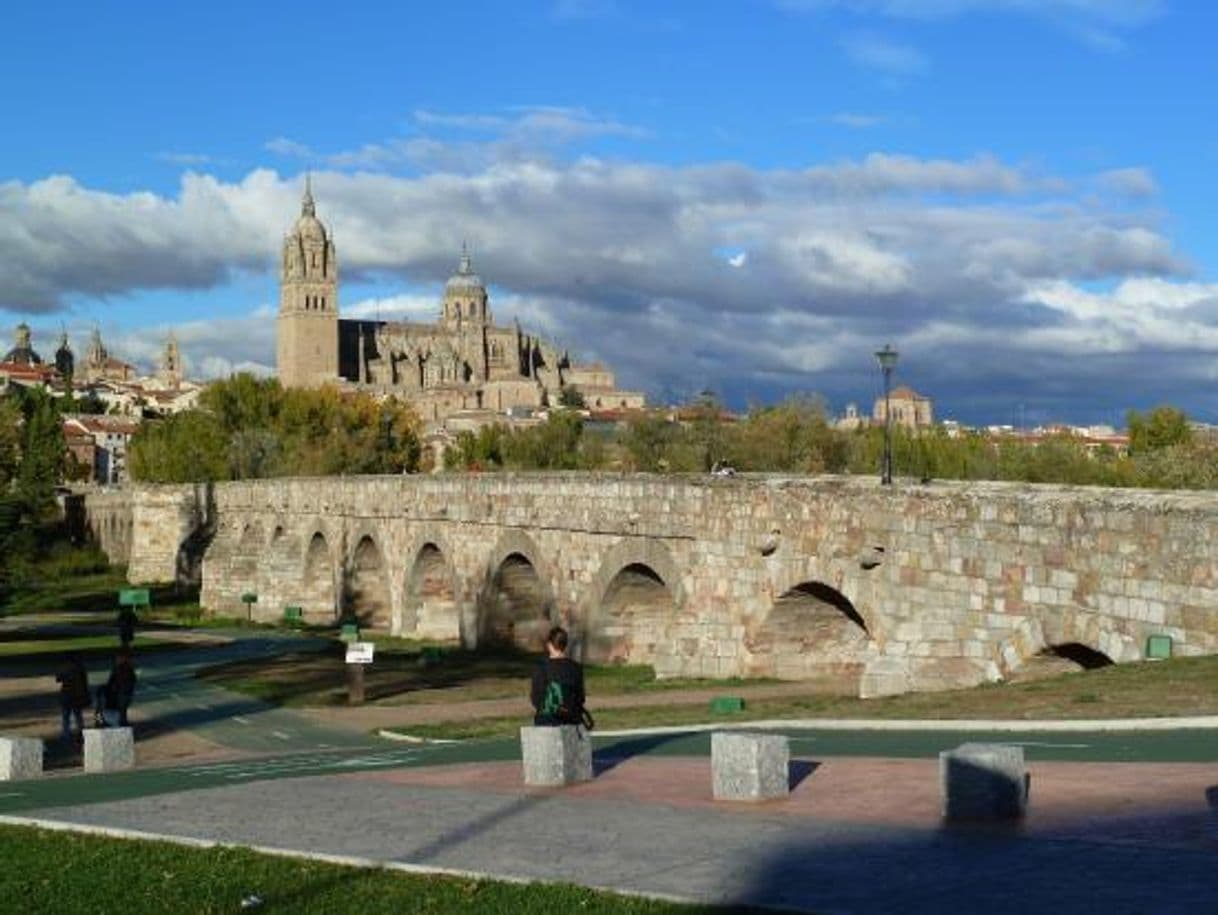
307 327
170 371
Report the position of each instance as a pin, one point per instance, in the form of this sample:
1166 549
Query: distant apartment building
110 436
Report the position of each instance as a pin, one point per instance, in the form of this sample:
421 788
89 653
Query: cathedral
464 362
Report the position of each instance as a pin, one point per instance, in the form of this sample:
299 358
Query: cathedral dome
23 353
465 280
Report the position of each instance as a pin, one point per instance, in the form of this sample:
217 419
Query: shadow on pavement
616 753
1163 861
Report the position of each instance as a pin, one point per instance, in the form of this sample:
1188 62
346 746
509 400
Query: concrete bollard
20 758
109 749
983 781
556 755
750 767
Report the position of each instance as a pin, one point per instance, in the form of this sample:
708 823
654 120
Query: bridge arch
812 630
366 594
318 602
429 596
516 603
634 599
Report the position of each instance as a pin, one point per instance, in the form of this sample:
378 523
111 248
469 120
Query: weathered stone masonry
907 587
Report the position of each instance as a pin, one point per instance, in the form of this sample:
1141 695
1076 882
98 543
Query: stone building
463 362
99 365
909 409
23 352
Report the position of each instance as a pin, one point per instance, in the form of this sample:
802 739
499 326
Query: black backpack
557 704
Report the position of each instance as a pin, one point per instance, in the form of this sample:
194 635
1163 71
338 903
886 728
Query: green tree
42 453
1162 427
571 398
10 442
188 447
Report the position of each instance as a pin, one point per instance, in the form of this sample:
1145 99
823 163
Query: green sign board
133 597
1158 647
349 632
293 614
726 705
249 597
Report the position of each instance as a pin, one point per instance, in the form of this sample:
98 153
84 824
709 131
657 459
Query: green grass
403 675
1177 687
61 873
87 645
93 592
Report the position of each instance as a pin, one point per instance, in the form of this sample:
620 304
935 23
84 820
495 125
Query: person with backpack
73 682
558 686
116 695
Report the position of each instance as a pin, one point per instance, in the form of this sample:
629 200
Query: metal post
355 684
886 475
887 358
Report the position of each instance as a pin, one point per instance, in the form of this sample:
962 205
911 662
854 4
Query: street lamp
887 358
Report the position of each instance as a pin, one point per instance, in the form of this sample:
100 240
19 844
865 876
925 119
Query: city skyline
750 197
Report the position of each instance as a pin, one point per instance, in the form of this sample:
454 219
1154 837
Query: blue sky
745 196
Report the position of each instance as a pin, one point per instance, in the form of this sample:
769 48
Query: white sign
360 652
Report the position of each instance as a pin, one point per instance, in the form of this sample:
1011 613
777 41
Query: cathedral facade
463 362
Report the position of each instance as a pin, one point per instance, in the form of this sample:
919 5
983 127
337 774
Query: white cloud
974 261
855 120
185 158
875 52
1129 182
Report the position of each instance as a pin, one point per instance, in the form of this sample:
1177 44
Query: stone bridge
879 589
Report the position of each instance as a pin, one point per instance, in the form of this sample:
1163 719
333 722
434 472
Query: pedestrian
126 626
73 682
558 685
119 690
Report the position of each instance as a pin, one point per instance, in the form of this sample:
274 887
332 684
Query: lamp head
886 357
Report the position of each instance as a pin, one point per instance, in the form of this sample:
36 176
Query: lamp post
887 358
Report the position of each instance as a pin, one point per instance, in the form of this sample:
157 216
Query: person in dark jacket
558 685
73 682
126 626
119 689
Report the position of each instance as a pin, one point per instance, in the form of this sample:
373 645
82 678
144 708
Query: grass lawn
61 873
93 592
404 675
1178 687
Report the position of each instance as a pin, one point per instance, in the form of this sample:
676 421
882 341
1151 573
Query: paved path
857 835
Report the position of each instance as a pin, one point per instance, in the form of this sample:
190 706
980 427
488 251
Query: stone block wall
893 588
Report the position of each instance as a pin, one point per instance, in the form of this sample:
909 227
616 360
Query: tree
571 398
10 442
188 447
42 453
1162 427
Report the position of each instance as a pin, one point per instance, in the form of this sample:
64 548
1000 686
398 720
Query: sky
742 196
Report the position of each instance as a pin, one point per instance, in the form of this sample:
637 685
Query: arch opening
1063 658
367 586
515 609
317 598
634 612
812 632
431 601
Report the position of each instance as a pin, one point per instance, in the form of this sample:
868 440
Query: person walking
73 682
126 626
119 690
557 691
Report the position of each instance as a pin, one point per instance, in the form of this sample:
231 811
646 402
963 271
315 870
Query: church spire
467 266
307 207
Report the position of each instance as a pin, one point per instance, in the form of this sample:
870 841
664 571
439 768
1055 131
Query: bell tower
307 326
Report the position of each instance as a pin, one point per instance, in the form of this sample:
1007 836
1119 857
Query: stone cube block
20 757
556 755
749 767
983 781
109 749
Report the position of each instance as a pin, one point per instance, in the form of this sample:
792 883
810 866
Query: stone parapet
983 781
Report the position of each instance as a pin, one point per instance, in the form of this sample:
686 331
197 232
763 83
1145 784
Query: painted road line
1042 743
13 794
281 735
240 720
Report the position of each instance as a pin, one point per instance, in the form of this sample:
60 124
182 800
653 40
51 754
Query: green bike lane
366 754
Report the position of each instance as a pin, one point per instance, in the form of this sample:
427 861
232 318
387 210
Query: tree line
798 437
